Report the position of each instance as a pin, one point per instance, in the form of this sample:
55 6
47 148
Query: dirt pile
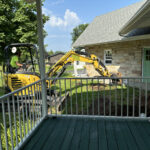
116 109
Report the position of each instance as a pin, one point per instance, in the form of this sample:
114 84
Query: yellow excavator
15 79
72 56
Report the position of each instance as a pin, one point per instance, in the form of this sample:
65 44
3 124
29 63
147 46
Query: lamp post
41 52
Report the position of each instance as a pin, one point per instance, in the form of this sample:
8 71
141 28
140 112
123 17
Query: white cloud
46 11
70 19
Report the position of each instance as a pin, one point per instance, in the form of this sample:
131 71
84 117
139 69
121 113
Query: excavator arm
72 56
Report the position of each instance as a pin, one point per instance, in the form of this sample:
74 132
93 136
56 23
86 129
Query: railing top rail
99 78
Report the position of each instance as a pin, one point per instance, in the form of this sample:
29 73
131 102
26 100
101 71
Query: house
121 48
54 58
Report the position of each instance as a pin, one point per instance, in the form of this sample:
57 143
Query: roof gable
139 21
105 28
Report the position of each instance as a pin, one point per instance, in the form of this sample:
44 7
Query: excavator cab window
24 54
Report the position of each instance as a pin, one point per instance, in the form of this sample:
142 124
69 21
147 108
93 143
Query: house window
108 57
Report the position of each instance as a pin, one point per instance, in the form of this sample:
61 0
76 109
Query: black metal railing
124 97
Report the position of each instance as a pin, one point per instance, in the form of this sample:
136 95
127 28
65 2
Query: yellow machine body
19 80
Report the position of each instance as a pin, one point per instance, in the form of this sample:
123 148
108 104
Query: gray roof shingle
105 28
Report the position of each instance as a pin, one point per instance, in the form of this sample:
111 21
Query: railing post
42 60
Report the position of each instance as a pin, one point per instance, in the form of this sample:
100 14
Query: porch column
42 57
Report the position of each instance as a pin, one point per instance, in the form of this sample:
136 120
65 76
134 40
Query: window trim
105 57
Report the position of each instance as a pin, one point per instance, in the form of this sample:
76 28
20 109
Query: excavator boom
72 56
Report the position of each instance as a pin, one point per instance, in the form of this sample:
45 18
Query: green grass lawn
19 128
20 131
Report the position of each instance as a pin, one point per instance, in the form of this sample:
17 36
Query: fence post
42 60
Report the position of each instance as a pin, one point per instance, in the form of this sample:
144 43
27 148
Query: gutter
139 14
141 37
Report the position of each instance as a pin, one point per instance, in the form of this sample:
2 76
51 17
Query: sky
67 14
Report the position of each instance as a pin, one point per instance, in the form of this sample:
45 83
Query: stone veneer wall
127 56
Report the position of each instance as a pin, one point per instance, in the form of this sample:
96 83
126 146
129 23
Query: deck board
85 135
139 140
112 143
55 134
69 135
58 140
93 143
66 133
75 142
119 136
125 136
102 135
143 133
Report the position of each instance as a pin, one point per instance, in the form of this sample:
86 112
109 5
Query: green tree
59 52
50 52
18 23
77 31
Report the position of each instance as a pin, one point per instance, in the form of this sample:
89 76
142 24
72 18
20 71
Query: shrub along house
122 47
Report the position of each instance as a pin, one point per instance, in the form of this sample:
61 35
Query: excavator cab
26 54
27 73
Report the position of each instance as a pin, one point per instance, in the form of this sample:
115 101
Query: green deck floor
90 134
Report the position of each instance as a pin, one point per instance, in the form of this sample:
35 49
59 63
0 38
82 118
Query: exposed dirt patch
97 88
118 110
